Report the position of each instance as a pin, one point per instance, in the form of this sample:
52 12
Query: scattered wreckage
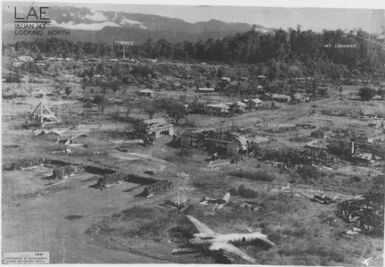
322 199
369 219
366 213
157 188
219 203
24 163
65 171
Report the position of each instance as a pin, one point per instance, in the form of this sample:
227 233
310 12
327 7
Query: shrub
13 78
366 93
184 152
233 191
246 192
308 171
143 70
255 175
297 232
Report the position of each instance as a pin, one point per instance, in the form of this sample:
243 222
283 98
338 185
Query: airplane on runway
212 241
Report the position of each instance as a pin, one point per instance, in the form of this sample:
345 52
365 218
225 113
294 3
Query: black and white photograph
192 133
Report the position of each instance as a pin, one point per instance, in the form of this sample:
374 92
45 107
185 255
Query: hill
88 25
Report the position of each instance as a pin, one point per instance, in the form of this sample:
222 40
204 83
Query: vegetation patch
73 217
255 175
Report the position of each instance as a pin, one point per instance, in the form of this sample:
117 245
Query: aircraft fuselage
239 238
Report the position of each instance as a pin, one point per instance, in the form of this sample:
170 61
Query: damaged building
24 163
281 98
230 143
157 188
65 171
158 126
153 128
223 142
146 93
220 109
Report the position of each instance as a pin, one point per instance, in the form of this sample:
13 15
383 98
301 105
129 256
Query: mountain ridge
106 26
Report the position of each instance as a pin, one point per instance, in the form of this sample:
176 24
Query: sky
310 18
315 19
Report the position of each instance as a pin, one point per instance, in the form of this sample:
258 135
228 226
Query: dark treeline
330 53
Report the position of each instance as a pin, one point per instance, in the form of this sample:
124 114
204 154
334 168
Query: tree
130 104
175 110
115 83
84 83
149 106
313 52
59 87
366 93
104 85
101 101
381 92
68 91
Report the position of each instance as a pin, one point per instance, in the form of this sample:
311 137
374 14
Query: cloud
132 22
84 26
96 16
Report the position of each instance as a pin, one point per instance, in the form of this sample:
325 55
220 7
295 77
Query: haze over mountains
107 23
107 26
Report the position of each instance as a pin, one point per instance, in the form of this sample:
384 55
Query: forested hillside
280 53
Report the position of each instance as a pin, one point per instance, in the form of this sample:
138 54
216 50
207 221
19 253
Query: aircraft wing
201 227
233 250
262 237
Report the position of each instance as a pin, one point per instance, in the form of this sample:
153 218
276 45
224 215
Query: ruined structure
65 171
146 93
206 90
231 143
225 142
281 98
157 188
192 140
24 163
218 109
110 178
43 114
156 127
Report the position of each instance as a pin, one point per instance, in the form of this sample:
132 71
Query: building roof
156 121
146 91
281 96
256 100
241 104
25 58
206 89
219 105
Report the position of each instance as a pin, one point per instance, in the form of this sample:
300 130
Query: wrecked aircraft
212 241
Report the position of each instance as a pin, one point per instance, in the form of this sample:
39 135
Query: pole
42 109
124 51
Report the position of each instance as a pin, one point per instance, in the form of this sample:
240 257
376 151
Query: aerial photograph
192 134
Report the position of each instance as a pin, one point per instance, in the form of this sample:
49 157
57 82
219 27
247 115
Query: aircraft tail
226 197
183 251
